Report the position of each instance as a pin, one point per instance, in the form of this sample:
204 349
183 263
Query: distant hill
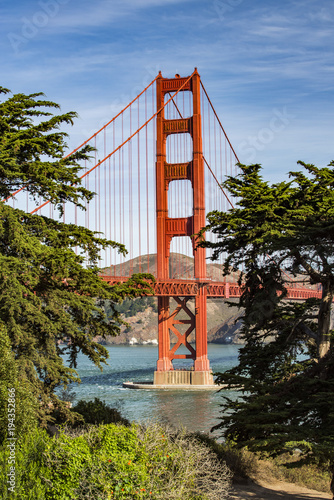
180 267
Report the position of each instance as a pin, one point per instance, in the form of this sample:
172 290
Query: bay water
198 411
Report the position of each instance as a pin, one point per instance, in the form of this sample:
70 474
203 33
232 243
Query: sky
267 65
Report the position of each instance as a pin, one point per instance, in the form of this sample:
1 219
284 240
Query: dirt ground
277 490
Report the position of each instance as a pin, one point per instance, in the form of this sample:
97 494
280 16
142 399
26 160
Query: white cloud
71 16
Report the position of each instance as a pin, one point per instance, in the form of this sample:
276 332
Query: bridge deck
189 288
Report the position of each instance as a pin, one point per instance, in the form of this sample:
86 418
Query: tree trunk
324 321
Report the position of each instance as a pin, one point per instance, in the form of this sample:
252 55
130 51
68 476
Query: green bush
66 458
113 461
98 412
182 468
119 465
116 462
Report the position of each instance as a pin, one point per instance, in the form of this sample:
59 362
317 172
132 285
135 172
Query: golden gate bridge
157 169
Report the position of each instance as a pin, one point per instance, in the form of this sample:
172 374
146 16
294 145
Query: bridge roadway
215 289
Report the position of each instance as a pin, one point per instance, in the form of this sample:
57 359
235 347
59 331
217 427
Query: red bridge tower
167 228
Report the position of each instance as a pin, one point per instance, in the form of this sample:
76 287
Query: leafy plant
117 462
98 412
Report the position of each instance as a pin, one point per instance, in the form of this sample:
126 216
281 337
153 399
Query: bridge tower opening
187 322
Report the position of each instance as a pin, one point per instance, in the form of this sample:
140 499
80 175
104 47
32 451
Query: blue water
197 411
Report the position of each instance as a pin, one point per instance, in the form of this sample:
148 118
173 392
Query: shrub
98 412
66 458
118 462
242 463
182 468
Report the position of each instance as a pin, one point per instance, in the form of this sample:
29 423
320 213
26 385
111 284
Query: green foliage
279 233
30 467
291 414
116 462
32 151
131 307
98 412
65 458
18 403
51 301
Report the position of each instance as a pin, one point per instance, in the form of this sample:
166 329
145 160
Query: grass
293 469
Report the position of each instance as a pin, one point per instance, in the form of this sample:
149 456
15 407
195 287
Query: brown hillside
180 267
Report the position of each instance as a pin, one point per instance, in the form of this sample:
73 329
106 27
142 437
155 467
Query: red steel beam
189 288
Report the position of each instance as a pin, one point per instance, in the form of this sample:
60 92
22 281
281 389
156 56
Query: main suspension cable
127 140
221 126
94 135
219 185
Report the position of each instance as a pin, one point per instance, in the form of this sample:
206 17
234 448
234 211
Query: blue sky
267 65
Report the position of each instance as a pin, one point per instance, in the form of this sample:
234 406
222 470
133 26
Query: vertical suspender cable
154 173
98 196
108 223
209 133
215 149
95 187
114 198
139 198
122 196
130 180
105 185
147 205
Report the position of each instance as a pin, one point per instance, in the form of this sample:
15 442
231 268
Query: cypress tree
52 302
281 235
